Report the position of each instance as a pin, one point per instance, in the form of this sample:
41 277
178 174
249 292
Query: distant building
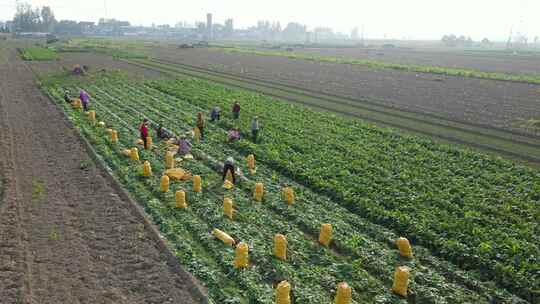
209 27
87 27
9 26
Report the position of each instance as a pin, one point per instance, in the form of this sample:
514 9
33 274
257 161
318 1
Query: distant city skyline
392 19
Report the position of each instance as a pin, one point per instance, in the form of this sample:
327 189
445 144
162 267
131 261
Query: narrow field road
66 235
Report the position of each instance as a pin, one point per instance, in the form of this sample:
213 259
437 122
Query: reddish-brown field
501 104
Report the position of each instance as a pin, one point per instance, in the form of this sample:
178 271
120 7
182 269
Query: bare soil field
476 60
506 105
66 234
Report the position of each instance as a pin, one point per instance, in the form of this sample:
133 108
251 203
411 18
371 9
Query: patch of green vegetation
85 164
38 54
534 123
116 49
37 190
54 235
374 64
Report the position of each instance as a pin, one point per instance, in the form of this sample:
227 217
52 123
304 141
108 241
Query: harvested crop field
494 61
67 233
501 104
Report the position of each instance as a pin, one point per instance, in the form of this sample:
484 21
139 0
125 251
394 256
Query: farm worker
164 133
143 129
67 98
234 134
255 128
229 167
85 99
184 146
215 114
236 110
200 123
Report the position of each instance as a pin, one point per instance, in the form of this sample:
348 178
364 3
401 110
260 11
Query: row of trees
28 19
453 40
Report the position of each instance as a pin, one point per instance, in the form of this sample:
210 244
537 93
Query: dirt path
66 236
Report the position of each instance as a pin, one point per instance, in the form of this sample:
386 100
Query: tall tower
209 27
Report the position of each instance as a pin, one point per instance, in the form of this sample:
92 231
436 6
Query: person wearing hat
229 167
215 114
255 128
184 146
85 99
163 133
200 123
236 110
143 129
67 98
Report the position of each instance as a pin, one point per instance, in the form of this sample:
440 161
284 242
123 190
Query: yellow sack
405 249
77 104
224 237
343 294
259 192
280 246
251 161
197 184
325 236
228 208
126 152
283 293
147 169
139 142
241 259
288 195
401 280
178 174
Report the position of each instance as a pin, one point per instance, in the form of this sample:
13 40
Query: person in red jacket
144 131
236 110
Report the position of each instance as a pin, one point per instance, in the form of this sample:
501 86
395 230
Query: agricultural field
472 219
477 59
494 104
38 54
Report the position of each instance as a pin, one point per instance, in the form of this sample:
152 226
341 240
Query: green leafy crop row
477 211
38 53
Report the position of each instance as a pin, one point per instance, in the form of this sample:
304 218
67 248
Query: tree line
29 19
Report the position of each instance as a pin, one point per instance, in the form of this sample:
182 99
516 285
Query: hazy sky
419 19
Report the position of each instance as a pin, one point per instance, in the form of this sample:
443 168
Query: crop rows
361 255
479 212
374 64
205 214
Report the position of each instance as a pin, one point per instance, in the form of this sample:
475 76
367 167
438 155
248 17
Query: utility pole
362 39
509 42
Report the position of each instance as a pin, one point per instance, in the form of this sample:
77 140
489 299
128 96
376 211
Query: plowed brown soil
501 104
66 235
